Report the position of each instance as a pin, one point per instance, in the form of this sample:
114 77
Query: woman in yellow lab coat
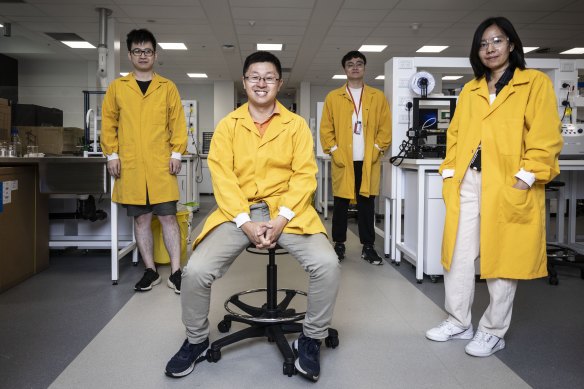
502 148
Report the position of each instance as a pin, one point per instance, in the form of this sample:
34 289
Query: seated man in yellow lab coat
143 134
264 176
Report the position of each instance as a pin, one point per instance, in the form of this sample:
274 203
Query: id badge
358 128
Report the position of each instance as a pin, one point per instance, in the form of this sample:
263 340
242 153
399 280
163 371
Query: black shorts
160 209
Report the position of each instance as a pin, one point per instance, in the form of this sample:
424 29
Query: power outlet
403 100
404 82
403 119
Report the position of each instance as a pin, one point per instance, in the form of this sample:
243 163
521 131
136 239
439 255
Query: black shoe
369 254
184 361
307 362
340 250
149 279
174 281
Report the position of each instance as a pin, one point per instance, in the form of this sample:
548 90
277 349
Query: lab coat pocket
337 157
517 206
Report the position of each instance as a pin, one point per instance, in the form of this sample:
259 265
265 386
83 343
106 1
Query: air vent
65 36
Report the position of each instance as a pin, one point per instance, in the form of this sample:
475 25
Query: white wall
57 84
204 96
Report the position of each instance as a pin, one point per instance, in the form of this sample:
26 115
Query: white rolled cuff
112 156
447 173
241 219
525 176
333 148
176 155
287 213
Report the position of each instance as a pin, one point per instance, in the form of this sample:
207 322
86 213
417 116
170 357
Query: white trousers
459 282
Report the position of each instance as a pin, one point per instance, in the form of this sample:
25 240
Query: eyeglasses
139 52
496 41
351 65
257 79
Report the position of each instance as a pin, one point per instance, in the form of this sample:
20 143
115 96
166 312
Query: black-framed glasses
358 64
496 41
139 52
257 79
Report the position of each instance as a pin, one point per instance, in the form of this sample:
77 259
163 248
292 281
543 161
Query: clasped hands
264 235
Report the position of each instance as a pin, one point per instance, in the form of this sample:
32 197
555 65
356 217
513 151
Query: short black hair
140 36
262 56
353 54
516 57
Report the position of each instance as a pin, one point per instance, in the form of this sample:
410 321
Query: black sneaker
174 281
340 250
184 361
369 254
149 279
307 362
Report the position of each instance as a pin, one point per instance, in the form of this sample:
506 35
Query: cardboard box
52 140
5 115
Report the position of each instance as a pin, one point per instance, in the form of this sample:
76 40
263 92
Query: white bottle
15 142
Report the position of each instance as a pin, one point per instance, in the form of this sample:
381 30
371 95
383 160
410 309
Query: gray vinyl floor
68 327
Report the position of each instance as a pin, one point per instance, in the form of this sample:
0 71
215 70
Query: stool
562 255
272 320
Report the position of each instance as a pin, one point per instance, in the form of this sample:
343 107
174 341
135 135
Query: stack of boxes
40 126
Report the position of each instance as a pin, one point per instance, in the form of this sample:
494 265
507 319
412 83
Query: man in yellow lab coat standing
143 135
264 176
355 130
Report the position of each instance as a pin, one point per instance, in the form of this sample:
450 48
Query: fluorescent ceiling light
528 49
451 78
372 48
1 25
124 74
269 46
340 77
197 75
575 50
79 44
173 46
380 77
431 49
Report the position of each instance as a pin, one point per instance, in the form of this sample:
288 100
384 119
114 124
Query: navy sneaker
149 279
174 281
340 250
307 362
183 362
369 254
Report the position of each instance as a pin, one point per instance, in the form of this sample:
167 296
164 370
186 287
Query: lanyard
353 100
358 126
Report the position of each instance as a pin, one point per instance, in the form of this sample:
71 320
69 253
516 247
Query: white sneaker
446 331
484 345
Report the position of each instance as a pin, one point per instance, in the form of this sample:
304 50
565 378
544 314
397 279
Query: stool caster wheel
134 263
224 326
433 279
213 355
418 281
553 280
289 369
115 282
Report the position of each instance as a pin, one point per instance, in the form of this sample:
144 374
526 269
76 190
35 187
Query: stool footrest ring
283 314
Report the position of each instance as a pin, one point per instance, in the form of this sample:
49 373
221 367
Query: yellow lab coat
144 129
336 128
278 169
521 129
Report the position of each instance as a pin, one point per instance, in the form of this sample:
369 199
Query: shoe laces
311 346
482 337
448 325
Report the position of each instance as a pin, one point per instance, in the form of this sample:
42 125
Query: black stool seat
272 320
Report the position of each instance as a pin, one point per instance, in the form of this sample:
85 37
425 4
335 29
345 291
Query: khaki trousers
459 282
213 256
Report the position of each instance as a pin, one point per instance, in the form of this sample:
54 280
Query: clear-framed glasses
496 41
139 52
358 64
257 79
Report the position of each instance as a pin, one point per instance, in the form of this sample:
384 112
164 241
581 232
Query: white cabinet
206 186
187 184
